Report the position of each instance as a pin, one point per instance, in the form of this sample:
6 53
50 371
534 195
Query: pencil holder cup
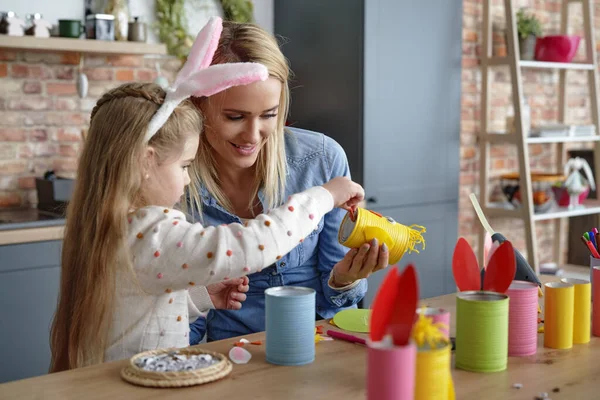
290 325
596 301
365 225
433 378
594 262
390 371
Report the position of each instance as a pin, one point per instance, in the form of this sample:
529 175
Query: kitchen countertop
26 225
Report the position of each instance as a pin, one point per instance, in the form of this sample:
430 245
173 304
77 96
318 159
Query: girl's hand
360 263
346 194
229 294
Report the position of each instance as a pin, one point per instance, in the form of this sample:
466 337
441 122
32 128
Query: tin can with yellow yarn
367 225
433 379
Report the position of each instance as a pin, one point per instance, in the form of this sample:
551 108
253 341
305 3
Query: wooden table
337 373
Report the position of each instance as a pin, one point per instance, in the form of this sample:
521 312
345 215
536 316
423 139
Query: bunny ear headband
198 78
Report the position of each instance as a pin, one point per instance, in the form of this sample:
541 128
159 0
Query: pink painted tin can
390 371
522 318
437 315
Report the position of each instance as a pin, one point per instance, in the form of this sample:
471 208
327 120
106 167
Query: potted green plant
529 28
172 26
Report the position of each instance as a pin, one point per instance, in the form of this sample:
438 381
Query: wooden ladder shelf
520 138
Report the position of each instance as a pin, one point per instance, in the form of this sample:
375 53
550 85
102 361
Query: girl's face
164 182
239 120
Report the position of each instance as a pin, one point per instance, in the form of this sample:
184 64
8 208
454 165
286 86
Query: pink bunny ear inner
202 51
487 246
217 78
491 252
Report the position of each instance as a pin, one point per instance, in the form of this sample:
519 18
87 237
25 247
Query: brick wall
41 115
541 89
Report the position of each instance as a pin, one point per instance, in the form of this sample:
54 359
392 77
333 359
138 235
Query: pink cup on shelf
522 318
391 371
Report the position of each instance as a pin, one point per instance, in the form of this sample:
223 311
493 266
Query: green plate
354 320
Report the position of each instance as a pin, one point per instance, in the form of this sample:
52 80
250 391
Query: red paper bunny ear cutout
501 270
403 316
465 267
383 305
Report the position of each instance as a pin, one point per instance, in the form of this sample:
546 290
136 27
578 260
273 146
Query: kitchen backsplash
42 116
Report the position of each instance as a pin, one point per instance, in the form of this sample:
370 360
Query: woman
247 165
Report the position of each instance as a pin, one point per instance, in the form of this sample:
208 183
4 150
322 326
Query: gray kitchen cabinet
383 78
29 286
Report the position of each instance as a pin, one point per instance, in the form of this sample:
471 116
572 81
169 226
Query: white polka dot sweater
173 260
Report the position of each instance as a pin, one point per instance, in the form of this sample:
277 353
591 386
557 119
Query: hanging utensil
82 80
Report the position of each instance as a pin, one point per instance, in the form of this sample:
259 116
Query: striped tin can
481 331
522 318
290 325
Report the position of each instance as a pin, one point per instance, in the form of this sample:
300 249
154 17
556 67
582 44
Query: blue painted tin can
290 325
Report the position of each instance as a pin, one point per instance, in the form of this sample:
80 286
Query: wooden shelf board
499 61
589 208
563 139
555 65
501 137
506 210
79 45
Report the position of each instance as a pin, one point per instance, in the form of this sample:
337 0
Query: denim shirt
312 159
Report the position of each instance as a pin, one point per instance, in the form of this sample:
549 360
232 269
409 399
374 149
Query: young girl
132 266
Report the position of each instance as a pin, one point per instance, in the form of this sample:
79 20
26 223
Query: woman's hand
360 263
229 294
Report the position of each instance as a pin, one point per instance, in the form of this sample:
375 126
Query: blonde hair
107 188
246 42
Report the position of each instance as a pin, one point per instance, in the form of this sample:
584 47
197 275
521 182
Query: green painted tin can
481 331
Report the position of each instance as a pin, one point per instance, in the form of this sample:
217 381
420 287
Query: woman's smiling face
239 121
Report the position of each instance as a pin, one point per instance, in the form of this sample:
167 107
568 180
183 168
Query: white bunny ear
588 173
217 78
202 51
161 116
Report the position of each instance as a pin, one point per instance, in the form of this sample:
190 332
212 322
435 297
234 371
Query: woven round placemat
134 374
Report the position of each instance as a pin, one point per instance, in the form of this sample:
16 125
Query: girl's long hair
107 189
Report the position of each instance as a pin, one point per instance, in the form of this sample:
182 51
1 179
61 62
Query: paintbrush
524 271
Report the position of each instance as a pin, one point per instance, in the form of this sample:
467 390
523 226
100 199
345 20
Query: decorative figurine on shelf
38 27
576 183
12 25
